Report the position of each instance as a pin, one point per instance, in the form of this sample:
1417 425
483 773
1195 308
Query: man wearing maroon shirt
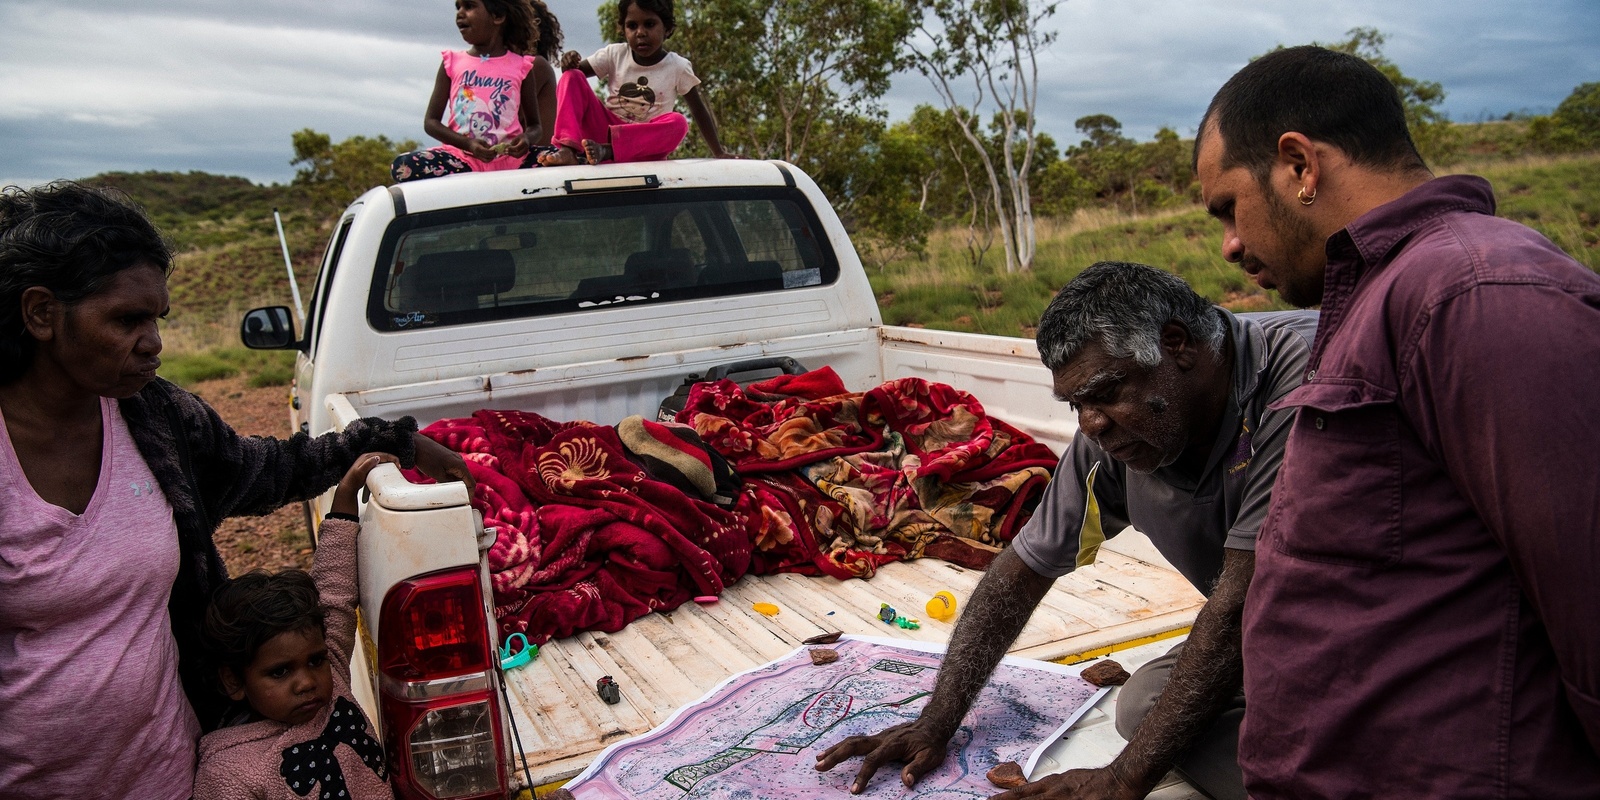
1423 620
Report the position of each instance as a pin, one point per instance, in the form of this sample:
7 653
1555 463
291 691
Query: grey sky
97 85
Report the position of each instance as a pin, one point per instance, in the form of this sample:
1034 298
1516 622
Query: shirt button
1320 423
1311 375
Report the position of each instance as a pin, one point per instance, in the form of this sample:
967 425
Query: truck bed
665 660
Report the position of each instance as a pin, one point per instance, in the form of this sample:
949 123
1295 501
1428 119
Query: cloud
217 87
1154 63
402 20
215 95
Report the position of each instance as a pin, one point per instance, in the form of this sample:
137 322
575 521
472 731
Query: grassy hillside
1559 197
227 254
228 258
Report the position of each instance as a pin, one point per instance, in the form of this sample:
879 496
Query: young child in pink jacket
282 644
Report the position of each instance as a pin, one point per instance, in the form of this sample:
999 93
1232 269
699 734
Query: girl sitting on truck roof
282 644
486 102
636 121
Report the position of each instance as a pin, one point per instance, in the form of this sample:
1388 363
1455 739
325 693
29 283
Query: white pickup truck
592 293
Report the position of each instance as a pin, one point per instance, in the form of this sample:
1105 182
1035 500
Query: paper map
757 735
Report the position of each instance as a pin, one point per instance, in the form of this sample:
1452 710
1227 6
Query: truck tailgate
666 660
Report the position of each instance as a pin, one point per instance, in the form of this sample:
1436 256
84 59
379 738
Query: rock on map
758 734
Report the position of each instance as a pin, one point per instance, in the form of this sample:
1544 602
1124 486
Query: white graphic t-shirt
638 93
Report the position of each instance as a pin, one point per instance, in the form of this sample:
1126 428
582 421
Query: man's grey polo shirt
1190 520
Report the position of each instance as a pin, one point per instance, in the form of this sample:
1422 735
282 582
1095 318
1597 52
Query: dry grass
192 334
1093 219
1496 167
1558 195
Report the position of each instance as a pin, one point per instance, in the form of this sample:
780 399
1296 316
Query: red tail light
441 716
436 626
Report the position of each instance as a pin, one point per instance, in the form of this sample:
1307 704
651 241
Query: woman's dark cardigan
210 473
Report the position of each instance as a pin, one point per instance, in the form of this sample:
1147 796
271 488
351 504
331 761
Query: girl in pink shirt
485 103
282 645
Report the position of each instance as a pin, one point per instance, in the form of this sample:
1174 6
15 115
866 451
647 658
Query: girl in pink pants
636 121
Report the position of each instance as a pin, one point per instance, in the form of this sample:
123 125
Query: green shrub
273 375
189 370
261 367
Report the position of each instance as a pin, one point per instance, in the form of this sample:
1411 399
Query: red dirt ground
279 539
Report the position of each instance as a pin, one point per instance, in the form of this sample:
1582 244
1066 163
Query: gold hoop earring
1306 199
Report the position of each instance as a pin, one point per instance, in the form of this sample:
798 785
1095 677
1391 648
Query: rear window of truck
576 253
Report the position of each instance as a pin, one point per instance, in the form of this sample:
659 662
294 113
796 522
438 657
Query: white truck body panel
604 364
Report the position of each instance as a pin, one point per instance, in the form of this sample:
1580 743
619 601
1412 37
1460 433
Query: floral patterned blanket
585 538
909 469
835 483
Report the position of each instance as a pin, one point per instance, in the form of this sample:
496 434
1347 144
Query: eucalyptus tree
335 174
982 57
787 76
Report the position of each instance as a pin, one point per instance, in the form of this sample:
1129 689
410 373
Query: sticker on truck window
802 277
618 299
415 319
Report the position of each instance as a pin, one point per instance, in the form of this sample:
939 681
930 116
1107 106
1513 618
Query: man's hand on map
1079 784
914 743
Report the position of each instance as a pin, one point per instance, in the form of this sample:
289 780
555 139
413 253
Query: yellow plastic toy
942 607
765 608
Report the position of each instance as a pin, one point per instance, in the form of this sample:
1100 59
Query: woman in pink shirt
112 482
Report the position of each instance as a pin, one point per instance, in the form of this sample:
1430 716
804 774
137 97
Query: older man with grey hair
1177 438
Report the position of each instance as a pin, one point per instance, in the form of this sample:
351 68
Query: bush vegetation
1558 196
228 258
260 368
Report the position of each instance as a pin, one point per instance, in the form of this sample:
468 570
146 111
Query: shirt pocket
1337 497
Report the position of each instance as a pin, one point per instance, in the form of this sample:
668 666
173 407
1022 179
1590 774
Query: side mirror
269 328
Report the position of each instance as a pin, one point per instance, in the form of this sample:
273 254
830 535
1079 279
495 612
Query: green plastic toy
510 660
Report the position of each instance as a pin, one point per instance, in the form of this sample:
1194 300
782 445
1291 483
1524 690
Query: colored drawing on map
757 735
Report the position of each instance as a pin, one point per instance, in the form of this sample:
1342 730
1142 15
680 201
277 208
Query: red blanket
586 539
909 469
835 483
